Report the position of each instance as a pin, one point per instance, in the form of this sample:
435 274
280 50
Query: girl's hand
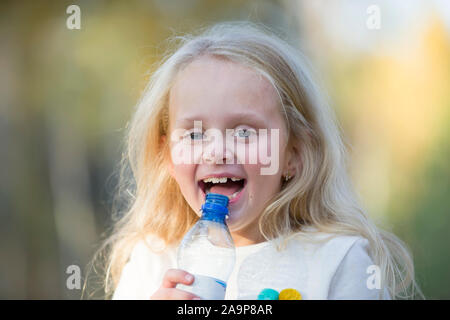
167 291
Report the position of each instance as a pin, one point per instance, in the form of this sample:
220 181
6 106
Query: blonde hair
319 194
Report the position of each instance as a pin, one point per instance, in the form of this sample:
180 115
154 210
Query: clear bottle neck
210 215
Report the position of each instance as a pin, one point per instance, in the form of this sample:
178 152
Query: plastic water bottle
207 251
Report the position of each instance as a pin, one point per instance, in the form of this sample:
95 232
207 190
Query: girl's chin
234 225
242 228
233 221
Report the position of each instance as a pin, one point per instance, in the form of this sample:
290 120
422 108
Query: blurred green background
67 95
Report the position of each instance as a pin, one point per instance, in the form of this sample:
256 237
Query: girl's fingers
174 276
167 291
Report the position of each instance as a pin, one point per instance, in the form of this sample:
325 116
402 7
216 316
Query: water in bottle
207 251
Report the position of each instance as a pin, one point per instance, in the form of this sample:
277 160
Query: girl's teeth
234 194
216 180
220 180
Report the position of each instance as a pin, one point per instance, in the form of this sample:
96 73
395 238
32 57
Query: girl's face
225 95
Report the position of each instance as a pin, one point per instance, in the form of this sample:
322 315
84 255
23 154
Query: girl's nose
215 154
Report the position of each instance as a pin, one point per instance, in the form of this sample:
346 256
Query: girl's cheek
260 154
247 153
183 153
270 155
181 173
197 153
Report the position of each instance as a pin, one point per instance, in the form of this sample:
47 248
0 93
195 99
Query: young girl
299 226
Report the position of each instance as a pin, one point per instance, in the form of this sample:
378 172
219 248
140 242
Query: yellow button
290 294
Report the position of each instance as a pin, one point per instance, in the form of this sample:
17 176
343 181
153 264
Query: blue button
268 294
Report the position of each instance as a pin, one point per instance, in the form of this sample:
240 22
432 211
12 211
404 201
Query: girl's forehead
212 87
219 72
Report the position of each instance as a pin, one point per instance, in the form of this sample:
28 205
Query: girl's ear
293 161
169 163
162 140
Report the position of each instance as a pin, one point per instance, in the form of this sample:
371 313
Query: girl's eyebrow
238 117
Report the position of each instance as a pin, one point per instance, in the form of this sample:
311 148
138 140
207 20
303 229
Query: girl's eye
195 135
245 133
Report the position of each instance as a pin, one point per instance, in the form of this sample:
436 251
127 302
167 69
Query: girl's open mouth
230 187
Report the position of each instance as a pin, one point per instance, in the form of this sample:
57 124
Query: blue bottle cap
215 207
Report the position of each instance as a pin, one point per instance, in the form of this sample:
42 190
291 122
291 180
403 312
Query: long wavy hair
319 195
